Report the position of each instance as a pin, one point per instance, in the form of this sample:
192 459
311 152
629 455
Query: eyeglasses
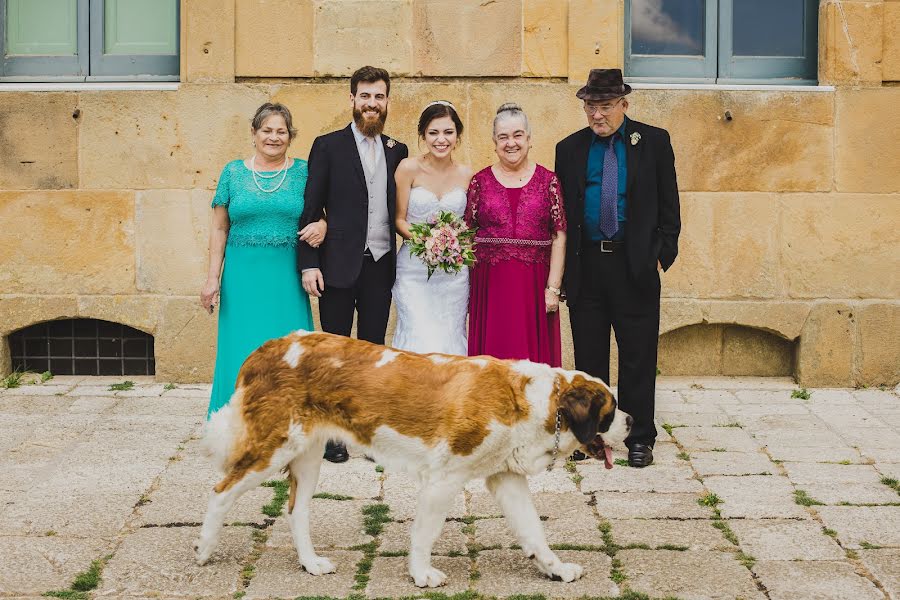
603 109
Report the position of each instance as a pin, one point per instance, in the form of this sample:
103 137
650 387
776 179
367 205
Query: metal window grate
82 347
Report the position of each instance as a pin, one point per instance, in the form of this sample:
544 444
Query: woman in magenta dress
518 209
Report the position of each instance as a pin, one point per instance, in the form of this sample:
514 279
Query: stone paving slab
581 531
278 574
707 438
34 565
332 524
395 538
694 535
884 564
401 494
805 473
817 580
648 505
83 515
852 493
731 463
879 525
390 578
356 478
507 572
784 539
655 478
785 451
755 497
160 562
548 505
690 575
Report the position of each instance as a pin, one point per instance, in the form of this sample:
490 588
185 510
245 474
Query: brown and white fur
443 419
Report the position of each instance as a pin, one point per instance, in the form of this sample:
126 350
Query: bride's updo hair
436 110
511 110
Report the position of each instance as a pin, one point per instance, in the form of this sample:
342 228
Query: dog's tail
223 430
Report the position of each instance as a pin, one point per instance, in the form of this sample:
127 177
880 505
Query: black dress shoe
640 455
579 455
336 452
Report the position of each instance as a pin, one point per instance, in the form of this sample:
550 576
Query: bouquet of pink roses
444 242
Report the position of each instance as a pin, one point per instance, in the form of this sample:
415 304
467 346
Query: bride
431 313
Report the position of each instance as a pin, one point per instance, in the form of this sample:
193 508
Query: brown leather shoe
640 455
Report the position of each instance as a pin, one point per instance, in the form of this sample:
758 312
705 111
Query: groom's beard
372 126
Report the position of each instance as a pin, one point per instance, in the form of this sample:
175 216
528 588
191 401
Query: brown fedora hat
604 84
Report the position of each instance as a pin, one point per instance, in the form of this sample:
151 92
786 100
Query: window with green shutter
721 41
89 40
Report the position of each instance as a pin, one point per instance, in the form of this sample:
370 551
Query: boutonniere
635 138
391 143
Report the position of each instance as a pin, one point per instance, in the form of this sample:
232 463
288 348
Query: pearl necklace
256 174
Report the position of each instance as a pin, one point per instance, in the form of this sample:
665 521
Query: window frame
795 70
644 67
90 64
719 66
46 68
130 67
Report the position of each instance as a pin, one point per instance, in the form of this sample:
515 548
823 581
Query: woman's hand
209 295
552 301
314 233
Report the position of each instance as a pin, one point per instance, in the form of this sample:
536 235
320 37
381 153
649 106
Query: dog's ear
577 406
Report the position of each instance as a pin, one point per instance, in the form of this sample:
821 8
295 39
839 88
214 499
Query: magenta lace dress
507 314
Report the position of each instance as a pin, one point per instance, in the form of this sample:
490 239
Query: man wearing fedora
618 179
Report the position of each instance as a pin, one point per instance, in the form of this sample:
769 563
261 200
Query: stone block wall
790 250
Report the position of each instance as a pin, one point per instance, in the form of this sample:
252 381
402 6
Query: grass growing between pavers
282 490
330 496
802 394
709 499
84 582
121 387
804 499
891 483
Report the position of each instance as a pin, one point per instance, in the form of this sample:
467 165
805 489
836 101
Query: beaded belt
518 242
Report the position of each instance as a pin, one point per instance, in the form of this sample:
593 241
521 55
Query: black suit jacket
336 187
653 219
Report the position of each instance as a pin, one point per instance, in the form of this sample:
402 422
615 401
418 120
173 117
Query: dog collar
555 444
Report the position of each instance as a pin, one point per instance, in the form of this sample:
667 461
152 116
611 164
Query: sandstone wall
790 250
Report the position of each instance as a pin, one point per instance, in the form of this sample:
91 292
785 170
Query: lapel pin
635 138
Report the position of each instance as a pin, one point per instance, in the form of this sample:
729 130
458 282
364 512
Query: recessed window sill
106 86
719 87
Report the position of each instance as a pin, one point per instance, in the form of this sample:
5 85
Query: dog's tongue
607 457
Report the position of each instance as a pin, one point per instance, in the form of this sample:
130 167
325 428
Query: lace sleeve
223 189
473 198
557 206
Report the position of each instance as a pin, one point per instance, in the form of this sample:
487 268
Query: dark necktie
609 191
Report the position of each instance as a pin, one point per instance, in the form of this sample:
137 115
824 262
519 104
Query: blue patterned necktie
609 191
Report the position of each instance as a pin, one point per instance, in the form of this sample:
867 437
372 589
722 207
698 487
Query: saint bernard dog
443 419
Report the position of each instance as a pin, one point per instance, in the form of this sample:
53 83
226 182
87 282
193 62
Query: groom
351 185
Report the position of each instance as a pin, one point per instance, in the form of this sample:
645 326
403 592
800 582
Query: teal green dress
261 295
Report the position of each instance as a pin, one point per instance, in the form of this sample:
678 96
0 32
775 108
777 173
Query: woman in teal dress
254 235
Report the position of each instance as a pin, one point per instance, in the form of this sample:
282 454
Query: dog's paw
429 577
202 552
566 572
318 565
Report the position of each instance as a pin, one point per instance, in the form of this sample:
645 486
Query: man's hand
313 282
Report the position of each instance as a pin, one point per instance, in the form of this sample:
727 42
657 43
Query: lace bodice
424 203
521 230
258 218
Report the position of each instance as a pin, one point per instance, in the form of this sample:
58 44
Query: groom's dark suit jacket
337 187
652 206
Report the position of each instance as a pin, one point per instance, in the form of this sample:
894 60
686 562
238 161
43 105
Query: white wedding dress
431 313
